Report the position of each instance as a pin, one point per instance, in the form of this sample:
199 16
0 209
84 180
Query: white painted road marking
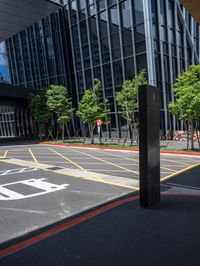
47 187
17 171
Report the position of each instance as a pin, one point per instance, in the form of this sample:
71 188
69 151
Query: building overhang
14 94
193 7
16 15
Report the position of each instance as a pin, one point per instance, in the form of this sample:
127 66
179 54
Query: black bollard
149 145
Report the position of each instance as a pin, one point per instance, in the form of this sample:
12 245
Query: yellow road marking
162 167
128 158
6 152
176 165
19 164
67 159
103 170
179 172
165 172
94 180
48 157
105 161
121 157
74 163
166 168
32 155
177 162
17 156
49 162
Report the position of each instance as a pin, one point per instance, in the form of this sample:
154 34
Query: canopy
16 15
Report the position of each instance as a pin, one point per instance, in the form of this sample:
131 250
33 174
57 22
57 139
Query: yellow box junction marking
110 182
105 161
96 178
68 160
136 160
177 162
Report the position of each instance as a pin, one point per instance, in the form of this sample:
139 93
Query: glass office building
111 40
4 69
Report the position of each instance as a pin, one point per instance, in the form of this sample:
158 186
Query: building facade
111 40
4 69
15 119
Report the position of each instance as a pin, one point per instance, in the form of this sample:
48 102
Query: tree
59 103
39 111
127 99
92 108
187 99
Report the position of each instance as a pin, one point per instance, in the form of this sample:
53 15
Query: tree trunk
197 132
125 136
192 135
40 132
35 131
68 131
188 128
57 134
92 134
63 132
50 134
136 132
132 132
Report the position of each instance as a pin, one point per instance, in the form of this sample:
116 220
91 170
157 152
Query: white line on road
23 210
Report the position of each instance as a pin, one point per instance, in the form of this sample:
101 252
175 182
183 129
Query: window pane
138 8
118 73
139 33
107 75
103 24
88 79
129 66
114 22
125 14
101 5
141 62
111 2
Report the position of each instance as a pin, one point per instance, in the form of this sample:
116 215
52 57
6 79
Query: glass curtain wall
176 46
108 41
111 40
38 54
4 68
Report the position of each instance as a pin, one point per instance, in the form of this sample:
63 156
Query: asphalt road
31 198
116 163
42 184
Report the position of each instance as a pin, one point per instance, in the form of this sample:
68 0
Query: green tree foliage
92 108
59 103
39 111
127 99
187 98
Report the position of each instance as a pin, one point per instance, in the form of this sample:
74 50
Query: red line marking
32 240
121 149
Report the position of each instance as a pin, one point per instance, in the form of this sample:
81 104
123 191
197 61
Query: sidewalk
121 233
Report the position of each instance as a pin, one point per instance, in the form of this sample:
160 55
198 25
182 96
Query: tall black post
149 144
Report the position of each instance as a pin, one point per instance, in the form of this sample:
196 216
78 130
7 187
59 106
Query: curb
90 147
